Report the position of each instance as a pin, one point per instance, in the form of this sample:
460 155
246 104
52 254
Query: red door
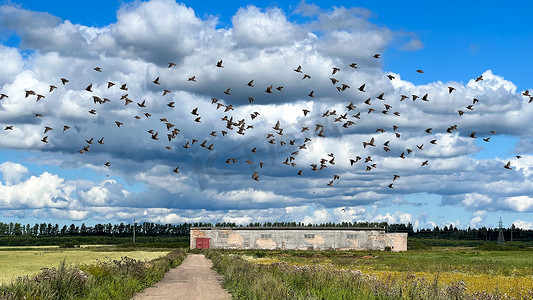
202 243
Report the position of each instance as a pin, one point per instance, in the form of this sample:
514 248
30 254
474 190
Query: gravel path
193 279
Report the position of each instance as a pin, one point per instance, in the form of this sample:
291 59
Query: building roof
292 228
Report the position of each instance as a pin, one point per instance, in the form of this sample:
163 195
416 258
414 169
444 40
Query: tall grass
116 279
248 280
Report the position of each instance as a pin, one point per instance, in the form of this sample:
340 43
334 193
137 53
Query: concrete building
296 238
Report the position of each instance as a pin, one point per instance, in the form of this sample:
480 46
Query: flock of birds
294 145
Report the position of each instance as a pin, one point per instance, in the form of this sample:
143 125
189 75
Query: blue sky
465 182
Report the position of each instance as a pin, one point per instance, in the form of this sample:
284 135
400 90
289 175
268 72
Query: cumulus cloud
427 143
12 172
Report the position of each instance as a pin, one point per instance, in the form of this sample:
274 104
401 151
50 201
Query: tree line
149 229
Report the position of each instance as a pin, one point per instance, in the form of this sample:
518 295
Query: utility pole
134 228
501 240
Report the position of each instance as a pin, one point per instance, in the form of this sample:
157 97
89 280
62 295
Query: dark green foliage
69 244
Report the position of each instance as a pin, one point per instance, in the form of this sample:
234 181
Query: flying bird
219 64
508 165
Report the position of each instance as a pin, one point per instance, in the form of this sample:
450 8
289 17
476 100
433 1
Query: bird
306 76
92 112
508 165
255 176
39 97
473 135
377 55
45 139
171 64
101 141
395 177
156 81
305 111
89 88
118 123
65 128
176 170
228 91
90 141
353 65
269 89
142 104
311 94
64 81
419 71
334 81
52 88
38 115
219 64
428 130
298 69
425 163
391 77
9 127
107 164
479 78
110 84
486 139
166 92
362 87
335 70
451 89
28 93
192 78
124 87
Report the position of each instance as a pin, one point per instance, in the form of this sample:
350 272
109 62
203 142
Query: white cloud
263 45
525 225
12 172
252 27
478 218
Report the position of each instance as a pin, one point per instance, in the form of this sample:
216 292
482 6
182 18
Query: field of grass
17 263
465 271
116 279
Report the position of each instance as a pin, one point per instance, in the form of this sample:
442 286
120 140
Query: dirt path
193 279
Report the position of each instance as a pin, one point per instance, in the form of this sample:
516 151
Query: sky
424 48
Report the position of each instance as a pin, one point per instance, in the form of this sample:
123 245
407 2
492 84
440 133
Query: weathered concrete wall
300 239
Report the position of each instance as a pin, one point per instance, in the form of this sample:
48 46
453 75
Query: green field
30 260
423 273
